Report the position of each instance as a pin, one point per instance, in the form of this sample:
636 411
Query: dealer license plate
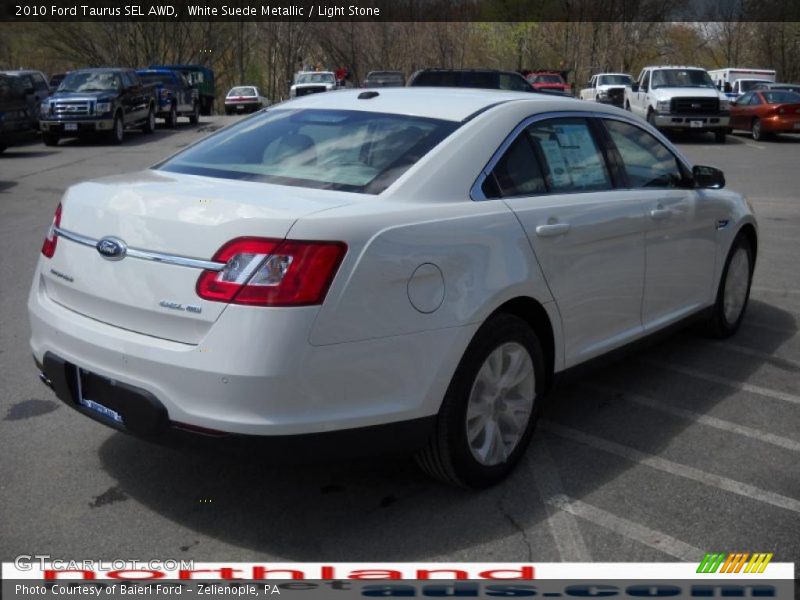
70 127
93 405
695 123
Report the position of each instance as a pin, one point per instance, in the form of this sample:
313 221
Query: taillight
268 272
51 239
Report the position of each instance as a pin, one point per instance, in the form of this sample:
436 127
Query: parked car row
105 101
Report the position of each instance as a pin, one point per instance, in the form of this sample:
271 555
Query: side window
756 99
126 79
648 163
645 85
744 100
517 173
40 83
571 158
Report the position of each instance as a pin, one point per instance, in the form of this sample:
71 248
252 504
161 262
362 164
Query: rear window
469 79
157 78
325 149
782 97
242 91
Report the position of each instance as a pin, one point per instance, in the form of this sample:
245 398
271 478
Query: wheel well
749 232
533 313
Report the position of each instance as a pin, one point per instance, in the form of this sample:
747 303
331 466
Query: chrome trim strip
169 259
476 193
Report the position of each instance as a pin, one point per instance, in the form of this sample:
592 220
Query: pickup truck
312 82
106 101
679 98
16 122
176 96
607 88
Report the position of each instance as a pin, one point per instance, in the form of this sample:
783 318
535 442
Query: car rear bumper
255 373
707 122
781 124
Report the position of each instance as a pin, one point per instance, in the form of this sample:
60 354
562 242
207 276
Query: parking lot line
644 535
771 290
652 403
563 526
766 356
677 469
736 385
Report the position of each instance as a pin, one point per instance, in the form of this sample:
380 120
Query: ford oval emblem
112 248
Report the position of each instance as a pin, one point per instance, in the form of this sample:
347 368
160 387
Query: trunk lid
178 215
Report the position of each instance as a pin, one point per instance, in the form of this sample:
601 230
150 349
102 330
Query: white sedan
407 266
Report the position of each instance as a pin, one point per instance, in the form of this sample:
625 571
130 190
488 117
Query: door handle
552 230
660 214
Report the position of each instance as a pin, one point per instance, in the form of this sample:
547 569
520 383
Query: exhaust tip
44 379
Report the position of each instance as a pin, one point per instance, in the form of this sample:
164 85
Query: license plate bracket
93 405
695 124
70 127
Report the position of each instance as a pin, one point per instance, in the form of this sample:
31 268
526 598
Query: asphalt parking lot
684 447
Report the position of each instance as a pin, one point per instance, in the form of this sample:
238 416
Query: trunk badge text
192 308
112 248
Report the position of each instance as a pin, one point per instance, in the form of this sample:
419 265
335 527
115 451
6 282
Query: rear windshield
325 149
548 79
614 80
471 79
242 91
156 78
781 97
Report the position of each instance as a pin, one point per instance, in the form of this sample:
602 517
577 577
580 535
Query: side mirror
708 177
634 87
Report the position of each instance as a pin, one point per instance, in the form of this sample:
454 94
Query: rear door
587 237
681 225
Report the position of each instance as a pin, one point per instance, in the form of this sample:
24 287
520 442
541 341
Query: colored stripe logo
719 562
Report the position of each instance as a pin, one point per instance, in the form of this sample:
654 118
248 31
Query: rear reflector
51 239
268 272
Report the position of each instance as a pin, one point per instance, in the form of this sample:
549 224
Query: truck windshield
681 78
749 84
343 150
614 80
316 78
90 81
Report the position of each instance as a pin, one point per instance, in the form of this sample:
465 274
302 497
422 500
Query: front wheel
734 290
50 139
117 134
720 136
150 124
756 131
172 117
194 118
489 411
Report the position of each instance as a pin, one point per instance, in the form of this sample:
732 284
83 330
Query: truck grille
314 89
616 95
73 108
695 106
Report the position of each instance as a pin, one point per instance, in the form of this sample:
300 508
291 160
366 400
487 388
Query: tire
172 117
449 455
3 149
228 112
651 118
117 134
150 124
628 106
733 292
50 139
756 131
194 118
720 136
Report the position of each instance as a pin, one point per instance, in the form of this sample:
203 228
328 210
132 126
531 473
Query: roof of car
452 104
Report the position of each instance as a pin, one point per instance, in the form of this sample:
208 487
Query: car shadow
133 137
705 139
384 508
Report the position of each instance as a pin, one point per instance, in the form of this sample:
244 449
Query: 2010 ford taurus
415 263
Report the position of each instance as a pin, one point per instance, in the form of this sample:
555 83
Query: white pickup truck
679 98
608 88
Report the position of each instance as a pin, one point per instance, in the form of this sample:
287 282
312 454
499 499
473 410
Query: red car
765 112
548 81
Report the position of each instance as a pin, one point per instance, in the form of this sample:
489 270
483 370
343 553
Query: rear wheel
651 118
756 131
734 290
194 118
50 139
720 136
489 411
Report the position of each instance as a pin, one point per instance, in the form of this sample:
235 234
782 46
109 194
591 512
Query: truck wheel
50 139
489 411
194 118
651 118
172 117
628 106
3 149
150 124
117 134
720 136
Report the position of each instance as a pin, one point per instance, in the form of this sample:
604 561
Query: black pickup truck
16 122
106 101
176 96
